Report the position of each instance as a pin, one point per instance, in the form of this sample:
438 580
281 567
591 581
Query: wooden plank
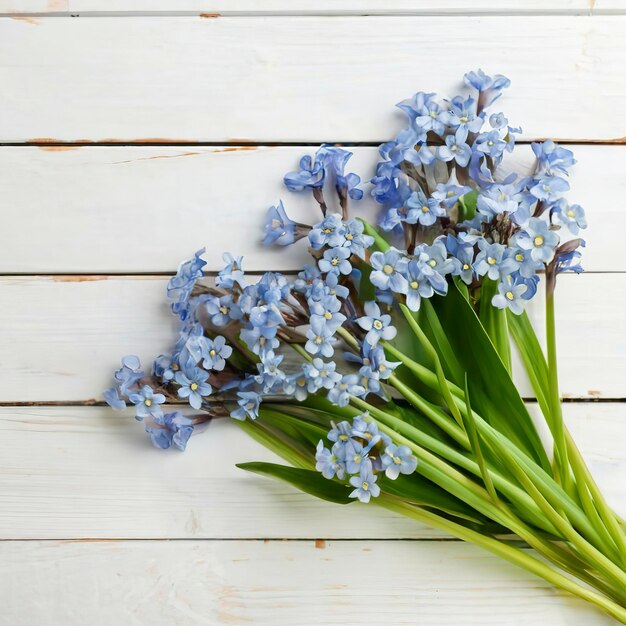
310 7
62 337
297 79
160 204
275 584
87 472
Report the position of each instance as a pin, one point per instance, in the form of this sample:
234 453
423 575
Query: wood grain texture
62 337
88 472
336 78
215 8
274 584
112 209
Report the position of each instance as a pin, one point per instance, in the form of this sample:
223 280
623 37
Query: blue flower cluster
359 452
457 219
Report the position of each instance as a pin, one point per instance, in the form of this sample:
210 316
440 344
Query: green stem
511 554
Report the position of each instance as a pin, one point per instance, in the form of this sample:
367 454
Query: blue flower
129 375
327 309
378 326
388 271
510 296
365 484
398 460
147 403
423 210
173 428
340 433
497 199
538 239
356 455
232 274
306 278
325 372
335 261
329 462
346 388
552 158
455 149
327 232
113 399
418 286
518 260
215 352
180 286
489 89
448 195
193 385
248 405
489 259
309 176
549 187
498 121
319 338
270 375
464 253
260 340
436 264
367 430
334 160
354 239
490 143
222 310
462 115
572 217
279 229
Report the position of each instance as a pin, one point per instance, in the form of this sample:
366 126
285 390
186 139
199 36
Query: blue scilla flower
490 144
489 89
334 160
272 288
531 283
309 176
279 229
180 286
497 199
377 325
365 484
448 194
173 429
538 239
193 385
356 454
215 352
165 367
335 261
398 460
327 232
388 268
370 381
129 375
270 375
344 389
569 262
548 188
327 309
297 386
489 259
462 115
222 310
248 403
519 260
354 238
429 118
510 296
420 105
464 253
330 462
232 274
420 154
320 338
418 286
434 260
112 398
571 216
455 149
340 433
147 403
325 372
498 120
423 210
552 158
368 430
305 279
266 317
260 340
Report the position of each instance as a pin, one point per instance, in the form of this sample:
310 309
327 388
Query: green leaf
367 291
309 481
494 321
380 243
494 395
467 205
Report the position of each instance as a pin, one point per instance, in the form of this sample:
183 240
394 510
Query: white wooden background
134 132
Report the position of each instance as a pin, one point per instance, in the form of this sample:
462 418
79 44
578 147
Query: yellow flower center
378 324
490 143
432 262
349 237
335 261
397 460
328 315
414 284
519 257
509 295
212 352
224 309
365 485
466 266
491 260
570 213
193 386
538 241
388 269
148 402
424 209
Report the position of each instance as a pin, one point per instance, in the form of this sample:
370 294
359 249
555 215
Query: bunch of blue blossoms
382 372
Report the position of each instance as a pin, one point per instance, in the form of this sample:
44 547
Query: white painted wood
312 7
62 339
298 79
144 209
274 584
88 472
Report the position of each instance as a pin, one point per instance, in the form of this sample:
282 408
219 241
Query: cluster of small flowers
361 451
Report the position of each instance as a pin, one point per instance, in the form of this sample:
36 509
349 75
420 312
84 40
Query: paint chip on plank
320 544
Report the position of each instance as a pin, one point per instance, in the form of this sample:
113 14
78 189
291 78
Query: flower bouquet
382 372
